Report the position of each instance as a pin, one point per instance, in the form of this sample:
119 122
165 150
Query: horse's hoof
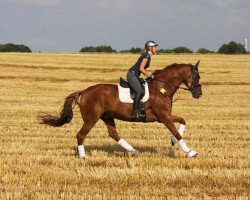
195 156
135 153
173 140
82 157
192 154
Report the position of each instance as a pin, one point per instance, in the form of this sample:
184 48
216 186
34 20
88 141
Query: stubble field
39 162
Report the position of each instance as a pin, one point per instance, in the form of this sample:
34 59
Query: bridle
194 74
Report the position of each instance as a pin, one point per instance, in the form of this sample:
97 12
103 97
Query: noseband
195 75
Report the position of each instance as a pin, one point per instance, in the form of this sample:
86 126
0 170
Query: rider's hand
150 78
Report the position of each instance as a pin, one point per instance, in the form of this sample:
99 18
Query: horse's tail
66 113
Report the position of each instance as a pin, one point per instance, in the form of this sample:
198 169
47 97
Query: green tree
124 51
14 48
101 48
182 50
165 51
104 48
160 51
88 49
203 50
232 48
135 50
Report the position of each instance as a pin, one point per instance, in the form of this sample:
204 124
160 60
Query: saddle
125 84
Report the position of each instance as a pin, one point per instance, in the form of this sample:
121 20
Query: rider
135 71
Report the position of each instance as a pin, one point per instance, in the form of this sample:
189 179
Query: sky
69 25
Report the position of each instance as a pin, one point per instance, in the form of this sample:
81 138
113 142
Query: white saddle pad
124 94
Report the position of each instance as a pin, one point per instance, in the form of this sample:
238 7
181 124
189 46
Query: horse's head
192 82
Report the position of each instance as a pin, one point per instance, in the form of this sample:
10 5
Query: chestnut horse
101 101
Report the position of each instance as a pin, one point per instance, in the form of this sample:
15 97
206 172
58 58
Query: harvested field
39 162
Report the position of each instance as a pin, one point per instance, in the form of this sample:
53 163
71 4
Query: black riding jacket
135 69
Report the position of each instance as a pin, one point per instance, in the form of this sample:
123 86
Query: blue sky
67 26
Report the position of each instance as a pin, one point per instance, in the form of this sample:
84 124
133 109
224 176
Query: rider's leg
136 110
135 84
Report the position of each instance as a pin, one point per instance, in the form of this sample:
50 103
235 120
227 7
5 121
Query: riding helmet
150 43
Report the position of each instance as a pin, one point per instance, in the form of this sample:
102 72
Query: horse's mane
158 71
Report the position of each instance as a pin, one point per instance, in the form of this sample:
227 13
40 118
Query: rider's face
153 50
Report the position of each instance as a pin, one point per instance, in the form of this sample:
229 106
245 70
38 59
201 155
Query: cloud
226 3
42 2
61 25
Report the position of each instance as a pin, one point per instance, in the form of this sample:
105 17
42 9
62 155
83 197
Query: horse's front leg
169 123
181 129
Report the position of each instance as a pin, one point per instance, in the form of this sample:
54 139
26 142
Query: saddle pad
124 94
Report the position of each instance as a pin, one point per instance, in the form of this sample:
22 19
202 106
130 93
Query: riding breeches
134 83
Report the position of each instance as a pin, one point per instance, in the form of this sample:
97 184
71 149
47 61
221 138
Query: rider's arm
142 67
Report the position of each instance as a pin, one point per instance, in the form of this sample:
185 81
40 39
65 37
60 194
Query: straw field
39 162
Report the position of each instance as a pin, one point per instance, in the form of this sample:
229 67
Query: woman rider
135 71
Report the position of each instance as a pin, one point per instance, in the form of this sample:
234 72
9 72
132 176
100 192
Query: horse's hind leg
181 127
110 123
87 126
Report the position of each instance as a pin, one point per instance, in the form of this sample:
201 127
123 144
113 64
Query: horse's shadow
115 150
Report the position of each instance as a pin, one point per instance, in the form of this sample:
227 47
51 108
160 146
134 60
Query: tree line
230 48
14 48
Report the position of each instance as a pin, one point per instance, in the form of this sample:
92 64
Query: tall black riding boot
136 111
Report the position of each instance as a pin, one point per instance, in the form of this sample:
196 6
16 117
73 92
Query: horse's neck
171 78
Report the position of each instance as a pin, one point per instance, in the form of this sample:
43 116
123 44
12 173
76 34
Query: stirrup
135 115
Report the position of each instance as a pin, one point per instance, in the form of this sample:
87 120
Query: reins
166 94
162 90
158 89
171 84
154 96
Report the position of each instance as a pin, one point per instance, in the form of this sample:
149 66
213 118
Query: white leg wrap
192 154
125 145
181 131
184 146
81 151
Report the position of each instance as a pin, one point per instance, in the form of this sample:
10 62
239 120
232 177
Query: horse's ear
197 64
